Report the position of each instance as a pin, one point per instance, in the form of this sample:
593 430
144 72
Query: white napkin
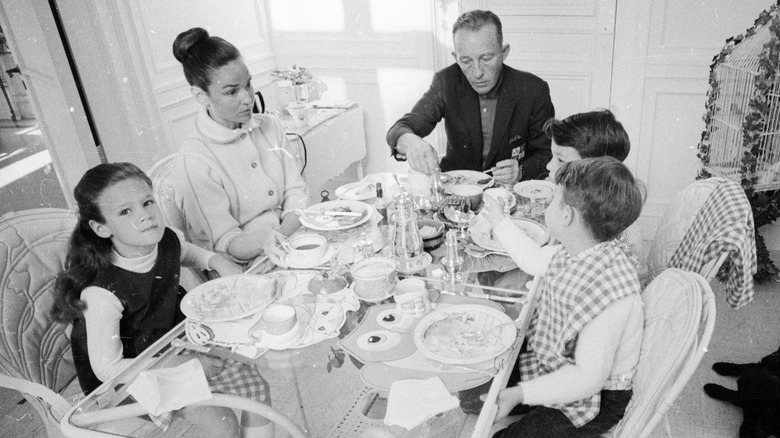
412 402
167 389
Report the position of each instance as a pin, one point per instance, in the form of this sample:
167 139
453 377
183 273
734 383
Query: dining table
336 379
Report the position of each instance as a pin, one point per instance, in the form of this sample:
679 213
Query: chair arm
58 403
74 424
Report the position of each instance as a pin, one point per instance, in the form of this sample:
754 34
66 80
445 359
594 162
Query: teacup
278 323
306 249
374 277
471 192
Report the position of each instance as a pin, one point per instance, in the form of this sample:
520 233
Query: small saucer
421 264
329 254
282 341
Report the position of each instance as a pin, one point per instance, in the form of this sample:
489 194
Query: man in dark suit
493 114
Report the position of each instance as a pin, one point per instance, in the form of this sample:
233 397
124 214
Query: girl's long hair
88 253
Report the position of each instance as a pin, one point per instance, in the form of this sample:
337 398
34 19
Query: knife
215 351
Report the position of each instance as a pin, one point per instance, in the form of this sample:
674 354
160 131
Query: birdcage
742 136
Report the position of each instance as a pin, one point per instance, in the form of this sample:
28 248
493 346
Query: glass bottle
407 242
381 203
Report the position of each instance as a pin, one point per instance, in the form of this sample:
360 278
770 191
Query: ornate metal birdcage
742 136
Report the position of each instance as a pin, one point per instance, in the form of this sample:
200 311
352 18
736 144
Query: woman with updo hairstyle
238 184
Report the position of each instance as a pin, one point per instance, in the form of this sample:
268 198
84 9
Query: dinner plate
357 191
313 220
464 334
460 177
228 298
535 189
482 236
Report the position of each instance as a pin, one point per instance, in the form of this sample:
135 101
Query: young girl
120 289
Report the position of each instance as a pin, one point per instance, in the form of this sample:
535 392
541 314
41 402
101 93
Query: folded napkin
412 402
167 389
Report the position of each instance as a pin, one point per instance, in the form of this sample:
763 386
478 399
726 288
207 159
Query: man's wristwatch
398 155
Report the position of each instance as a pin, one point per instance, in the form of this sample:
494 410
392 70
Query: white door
52 89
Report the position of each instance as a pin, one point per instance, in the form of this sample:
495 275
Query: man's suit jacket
523 107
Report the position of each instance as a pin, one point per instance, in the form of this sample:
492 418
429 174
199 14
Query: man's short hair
605 193
592 134
476 20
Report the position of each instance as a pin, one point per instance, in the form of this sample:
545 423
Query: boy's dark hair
477 19
592 134
605 193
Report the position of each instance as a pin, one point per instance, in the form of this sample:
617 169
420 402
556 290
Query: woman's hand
494 210
223 266
268 240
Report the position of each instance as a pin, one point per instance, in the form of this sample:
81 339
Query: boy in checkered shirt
585 337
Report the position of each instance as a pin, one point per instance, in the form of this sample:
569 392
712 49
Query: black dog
758 394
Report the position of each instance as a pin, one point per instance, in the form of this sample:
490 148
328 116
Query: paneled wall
648 61
568 43
663 51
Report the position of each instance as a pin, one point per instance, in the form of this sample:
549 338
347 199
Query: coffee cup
277 324
306 250
471 193
374 277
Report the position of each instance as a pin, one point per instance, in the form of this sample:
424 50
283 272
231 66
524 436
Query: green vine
765 205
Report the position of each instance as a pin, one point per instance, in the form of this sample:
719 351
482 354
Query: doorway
27 177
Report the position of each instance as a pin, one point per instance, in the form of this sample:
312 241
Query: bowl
432 232
373 277
306 249
503 194
471 193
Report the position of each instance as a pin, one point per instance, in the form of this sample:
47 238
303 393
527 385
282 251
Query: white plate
535 189
481 234
471 334
232 297
357 191
337 222
460 177
293 264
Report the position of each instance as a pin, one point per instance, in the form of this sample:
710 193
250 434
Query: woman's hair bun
185 41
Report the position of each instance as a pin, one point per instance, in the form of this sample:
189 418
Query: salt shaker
452 262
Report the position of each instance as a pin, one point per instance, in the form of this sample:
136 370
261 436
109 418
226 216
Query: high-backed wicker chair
679 309
708 222
35 356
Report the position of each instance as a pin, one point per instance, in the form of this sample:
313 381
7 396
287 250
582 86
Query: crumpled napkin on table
167 389
412 402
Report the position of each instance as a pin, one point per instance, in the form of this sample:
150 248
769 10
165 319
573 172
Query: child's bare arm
595 354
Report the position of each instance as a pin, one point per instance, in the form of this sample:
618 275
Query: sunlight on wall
307 15
400 16
399 90
337 88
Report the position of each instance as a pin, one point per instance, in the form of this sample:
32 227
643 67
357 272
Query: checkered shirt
724 224
235 378
576 289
